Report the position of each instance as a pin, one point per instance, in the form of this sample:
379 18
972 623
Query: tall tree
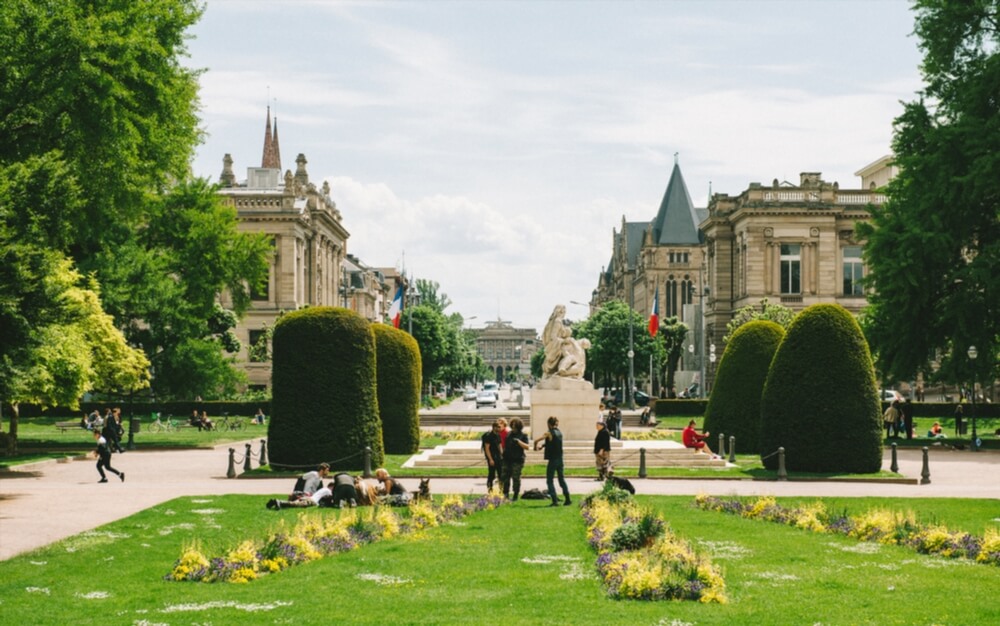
608 332
933 249
99 120
764 310
432 296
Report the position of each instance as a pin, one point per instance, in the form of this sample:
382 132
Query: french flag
654 317
396 308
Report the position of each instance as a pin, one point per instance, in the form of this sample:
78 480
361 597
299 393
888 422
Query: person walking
112 433
491 450
890 419
104 458
554 455
513 458
602 450
907 414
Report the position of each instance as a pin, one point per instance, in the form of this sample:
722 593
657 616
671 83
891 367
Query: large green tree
933 249
98 116
608 332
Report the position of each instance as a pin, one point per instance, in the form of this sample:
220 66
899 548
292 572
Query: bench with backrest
64 426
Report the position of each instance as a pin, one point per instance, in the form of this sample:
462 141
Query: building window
791 268
259 293
853 271
677 257
687 290
670 297
258 349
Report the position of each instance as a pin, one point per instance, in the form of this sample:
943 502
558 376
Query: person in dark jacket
554 455
513 457
602 450
104 458
491 450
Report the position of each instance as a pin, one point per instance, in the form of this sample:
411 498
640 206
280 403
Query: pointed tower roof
276 151
677 220
268 158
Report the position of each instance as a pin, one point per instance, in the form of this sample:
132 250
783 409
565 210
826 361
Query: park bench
64 426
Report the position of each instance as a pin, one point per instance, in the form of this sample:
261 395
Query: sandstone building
310 265
792 243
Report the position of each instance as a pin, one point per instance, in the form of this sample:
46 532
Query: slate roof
677 220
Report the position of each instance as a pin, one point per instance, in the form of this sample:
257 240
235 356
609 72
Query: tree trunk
12 432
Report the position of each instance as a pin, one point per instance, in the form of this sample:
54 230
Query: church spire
271 158
275 150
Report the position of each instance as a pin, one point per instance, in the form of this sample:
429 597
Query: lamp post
631 348
973 353
704 332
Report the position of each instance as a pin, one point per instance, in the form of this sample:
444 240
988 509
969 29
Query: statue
565 356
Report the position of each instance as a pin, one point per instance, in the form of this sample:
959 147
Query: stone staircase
467 454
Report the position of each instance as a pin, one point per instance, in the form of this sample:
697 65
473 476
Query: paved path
53 501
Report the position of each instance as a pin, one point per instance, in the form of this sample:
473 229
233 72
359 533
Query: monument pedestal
574 402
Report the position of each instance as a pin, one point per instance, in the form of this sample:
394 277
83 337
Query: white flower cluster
218 604
383 579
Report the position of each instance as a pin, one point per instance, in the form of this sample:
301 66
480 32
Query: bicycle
235 423
162 426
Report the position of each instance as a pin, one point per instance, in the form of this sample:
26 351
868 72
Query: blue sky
498 144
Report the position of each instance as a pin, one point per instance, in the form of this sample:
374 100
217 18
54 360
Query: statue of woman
553 337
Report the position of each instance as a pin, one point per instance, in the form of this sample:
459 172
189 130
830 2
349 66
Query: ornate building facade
506 350
793 244
310 265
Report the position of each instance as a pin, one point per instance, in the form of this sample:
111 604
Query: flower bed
315 536
878 525
640 558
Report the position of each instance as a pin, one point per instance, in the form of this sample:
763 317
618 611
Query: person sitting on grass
693 440
935 432
303 502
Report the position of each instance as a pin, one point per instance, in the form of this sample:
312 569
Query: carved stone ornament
814 232
769 232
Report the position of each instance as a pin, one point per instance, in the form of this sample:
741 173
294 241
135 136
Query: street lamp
973 353
704 332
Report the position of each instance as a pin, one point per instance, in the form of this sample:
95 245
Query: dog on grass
621 483
367 495
424 491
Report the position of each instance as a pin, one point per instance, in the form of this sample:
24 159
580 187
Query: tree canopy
608 332
933 249
99 119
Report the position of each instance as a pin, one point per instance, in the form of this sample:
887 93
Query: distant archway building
793 244
506 350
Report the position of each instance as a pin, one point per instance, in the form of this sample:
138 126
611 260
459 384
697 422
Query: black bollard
894 466
722 444
642 462
782 474
263 451
925 473
368 462
732 448
246 460
231 472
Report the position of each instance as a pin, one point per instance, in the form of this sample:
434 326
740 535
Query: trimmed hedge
324 404
398 386
820 401
734 406
680 406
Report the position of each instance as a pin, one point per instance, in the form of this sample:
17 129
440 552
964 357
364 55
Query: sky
495 147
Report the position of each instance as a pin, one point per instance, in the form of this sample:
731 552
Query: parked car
691 391
486 397
888 395
469 394
615 395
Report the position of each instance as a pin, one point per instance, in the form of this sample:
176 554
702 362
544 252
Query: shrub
324 405
734 407
398 385
820 401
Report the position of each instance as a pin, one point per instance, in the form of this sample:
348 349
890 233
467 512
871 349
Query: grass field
521 564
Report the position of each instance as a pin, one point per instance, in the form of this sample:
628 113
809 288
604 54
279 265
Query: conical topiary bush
324 407
820 401
734 406
398 382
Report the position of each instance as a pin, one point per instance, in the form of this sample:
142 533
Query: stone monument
563 392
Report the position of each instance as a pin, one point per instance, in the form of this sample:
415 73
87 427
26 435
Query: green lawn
521 564
39 438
